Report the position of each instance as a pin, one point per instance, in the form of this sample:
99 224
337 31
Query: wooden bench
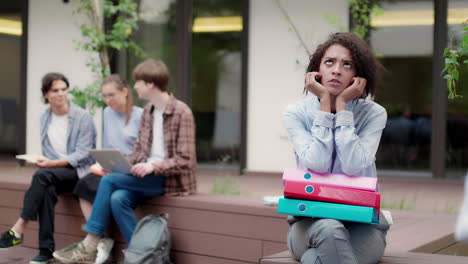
206 228
413 238
209 228
389 258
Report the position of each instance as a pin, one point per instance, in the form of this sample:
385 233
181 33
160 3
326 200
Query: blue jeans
117 196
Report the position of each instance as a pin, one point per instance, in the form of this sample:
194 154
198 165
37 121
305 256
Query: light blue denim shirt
117 134
81 137
345 142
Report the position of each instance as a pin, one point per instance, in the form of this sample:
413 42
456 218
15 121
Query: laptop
112 160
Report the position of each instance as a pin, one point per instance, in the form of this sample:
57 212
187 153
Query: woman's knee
311 233
297 237
310 256
327 229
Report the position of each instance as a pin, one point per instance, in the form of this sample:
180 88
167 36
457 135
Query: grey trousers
329 241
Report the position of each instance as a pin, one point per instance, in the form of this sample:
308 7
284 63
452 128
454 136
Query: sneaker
104 248
45 255
9 240
75 253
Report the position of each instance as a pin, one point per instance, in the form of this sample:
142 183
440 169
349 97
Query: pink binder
303 190
340 180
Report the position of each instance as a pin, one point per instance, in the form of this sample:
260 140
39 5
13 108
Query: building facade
239 63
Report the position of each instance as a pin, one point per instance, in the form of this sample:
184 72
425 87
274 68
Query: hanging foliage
99 40
361 13
453 63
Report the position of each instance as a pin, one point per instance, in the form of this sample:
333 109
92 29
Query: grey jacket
81 137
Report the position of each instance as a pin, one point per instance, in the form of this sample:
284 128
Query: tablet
112 160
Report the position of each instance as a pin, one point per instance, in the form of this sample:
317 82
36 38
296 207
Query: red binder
304 190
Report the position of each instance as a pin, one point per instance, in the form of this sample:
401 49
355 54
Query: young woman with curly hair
337 130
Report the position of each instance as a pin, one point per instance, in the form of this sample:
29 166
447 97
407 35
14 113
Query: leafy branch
361 13
293 27
452 63
100 40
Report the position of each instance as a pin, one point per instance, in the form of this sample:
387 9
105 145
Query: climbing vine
453 64
361 13
99 41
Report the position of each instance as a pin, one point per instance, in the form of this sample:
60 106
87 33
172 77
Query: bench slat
389 258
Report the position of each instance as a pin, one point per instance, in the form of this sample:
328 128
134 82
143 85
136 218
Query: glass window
457 116
10 64
216 81
403 38
156 34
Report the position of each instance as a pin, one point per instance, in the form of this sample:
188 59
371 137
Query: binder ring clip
309 189
302 207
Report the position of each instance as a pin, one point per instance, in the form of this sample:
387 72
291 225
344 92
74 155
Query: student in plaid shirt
163 161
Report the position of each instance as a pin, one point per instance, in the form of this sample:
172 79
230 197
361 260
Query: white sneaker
104 248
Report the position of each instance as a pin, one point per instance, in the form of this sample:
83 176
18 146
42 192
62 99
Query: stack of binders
330 195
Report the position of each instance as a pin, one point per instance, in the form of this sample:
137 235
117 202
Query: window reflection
156 34
405 89
10 58
216 81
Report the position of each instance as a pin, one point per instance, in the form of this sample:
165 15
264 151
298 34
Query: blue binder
343 212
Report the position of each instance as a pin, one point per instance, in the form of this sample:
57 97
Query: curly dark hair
367 65
48 80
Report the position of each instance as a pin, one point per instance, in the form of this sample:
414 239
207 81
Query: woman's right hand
314 86
97 169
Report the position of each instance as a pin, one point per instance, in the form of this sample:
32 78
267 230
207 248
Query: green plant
100 41
226 185
361 13
292 28
402 204
452 63
224 159
335 20
450 208
89 97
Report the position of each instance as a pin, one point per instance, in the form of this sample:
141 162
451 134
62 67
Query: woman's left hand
140 170
355 90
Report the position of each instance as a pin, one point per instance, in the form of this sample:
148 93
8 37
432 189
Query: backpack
150 242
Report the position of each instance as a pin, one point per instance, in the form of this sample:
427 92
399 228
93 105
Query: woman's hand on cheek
314 86
355 90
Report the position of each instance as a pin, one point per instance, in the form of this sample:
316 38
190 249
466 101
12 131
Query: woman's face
113 97
337 69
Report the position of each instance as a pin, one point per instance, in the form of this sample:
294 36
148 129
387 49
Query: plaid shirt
179 143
